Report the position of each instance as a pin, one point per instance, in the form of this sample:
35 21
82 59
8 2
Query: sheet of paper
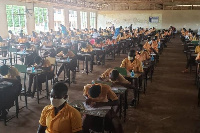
88 107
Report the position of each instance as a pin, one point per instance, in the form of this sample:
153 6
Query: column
51 17
3 23
30 19
66 16
96 26
88 19
78 20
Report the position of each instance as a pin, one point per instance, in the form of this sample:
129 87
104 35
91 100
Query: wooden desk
87 56
65 62
36 73
135 82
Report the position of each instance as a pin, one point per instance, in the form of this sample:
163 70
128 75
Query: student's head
38 60
58 94
4 70
131 55
95 91
28 45
1 39
114 75
10 32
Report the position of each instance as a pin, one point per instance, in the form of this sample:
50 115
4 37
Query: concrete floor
169 105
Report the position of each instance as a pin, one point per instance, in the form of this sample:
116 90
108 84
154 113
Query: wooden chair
23 69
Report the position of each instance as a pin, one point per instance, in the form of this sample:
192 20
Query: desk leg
120 107
64 72
86 64
47 87
38 98
68 75
125 104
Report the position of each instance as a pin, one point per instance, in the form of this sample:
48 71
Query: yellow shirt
136 65
143 56
147 46
105 95
22 40
87 49
198 56
120 78
197 49
2 44
155 46
68 120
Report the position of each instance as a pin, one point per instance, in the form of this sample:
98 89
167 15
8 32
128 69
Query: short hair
4 70
95 91
115 73
131 53
37 59
60 87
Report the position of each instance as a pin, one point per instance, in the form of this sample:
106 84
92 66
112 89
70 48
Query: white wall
177 18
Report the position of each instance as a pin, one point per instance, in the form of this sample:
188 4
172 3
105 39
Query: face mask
57 102
130 58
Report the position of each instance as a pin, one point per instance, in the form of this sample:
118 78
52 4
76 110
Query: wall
177 18
30 20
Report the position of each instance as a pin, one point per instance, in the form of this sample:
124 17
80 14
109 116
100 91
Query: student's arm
100 104
106 73
42 122
41 129
123 63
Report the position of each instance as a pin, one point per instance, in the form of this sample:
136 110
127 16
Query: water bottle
24 51
152 58
113 44
68 59
158 44
102 48
33 69
93 82
142 64
132 73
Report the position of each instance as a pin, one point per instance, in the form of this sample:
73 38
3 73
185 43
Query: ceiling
129 4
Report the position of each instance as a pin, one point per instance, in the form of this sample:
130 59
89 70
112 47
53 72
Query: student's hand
88 101
99 79
94 104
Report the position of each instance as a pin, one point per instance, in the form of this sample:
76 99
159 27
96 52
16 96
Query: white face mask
130 58
57 102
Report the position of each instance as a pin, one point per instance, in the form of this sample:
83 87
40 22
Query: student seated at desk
43 64
22 38
10 74
99 95
113 76
87 48
73 64
131 63
191 59
142 55
59 117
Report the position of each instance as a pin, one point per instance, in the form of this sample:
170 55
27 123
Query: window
73 19
16 18
58 18
83 20
41 19
93 20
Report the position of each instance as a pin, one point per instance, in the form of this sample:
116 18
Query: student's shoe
55 80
